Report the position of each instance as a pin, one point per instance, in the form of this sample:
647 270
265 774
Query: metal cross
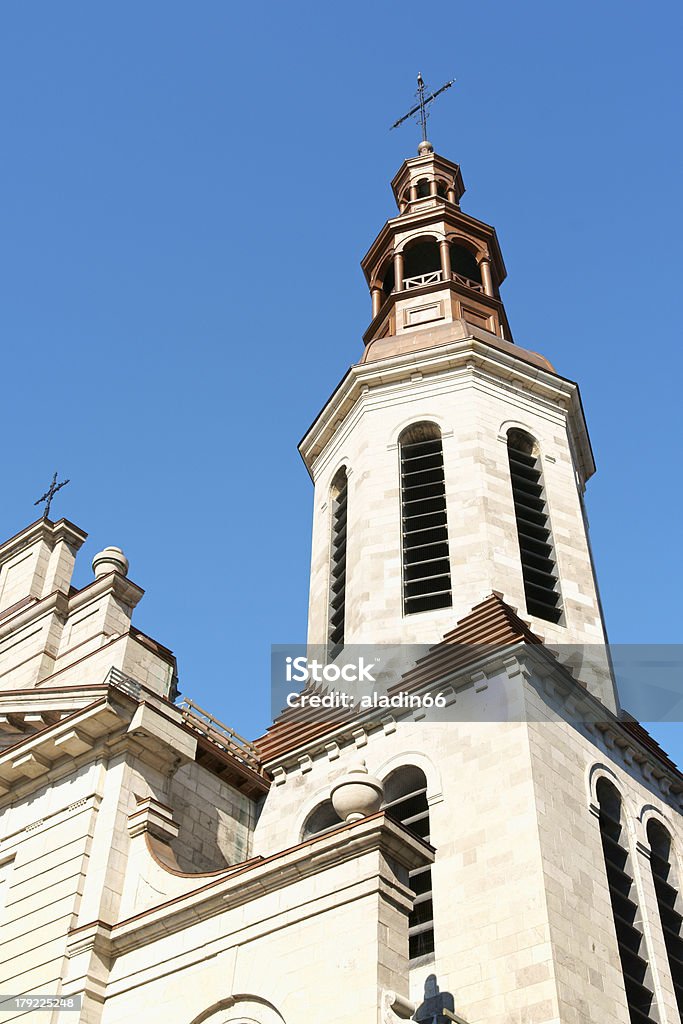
49 495
421 106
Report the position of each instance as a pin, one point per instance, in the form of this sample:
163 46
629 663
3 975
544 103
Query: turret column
376 300
398 270
486 279
445 250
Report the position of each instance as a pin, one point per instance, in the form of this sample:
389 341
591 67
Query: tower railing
435 276
416 282
468 283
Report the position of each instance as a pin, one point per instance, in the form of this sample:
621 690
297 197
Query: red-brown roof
492 623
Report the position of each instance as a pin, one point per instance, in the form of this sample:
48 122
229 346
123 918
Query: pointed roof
491 624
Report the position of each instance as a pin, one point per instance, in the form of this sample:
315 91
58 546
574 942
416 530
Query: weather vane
49 495
420 107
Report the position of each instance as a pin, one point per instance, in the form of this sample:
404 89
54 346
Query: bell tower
433 263
449 463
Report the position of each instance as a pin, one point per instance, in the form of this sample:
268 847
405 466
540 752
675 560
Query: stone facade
155 864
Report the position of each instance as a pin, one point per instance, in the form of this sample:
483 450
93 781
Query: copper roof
490 624
397 344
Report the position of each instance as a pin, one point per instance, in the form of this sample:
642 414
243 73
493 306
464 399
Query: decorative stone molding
152 816
356 794
110 559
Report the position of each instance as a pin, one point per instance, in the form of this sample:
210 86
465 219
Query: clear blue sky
187 190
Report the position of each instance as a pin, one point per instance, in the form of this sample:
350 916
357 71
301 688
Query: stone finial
108 560
356 794
425 148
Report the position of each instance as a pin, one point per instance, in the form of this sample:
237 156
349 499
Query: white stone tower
449 462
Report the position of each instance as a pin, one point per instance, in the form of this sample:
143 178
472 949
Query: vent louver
539 570
337 599
634 966
669 903
426 563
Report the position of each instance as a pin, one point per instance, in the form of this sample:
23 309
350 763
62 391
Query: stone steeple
450 462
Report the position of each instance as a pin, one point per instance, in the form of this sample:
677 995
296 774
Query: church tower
504 847
449 462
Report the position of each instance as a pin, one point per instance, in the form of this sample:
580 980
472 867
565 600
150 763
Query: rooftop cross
421 106
49 495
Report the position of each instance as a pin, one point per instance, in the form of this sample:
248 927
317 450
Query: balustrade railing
437 275
474 285
415 282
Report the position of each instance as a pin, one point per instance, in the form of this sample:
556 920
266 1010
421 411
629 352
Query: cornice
152 727
469 352
540 669
113 583
42 529
63 604
57 602
558 684
376 834
35 755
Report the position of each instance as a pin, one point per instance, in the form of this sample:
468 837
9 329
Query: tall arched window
405 798
426 563
337 598
667 887
539 568
632 952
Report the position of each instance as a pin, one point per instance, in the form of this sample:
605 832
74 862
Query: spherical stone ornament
425 148
108 560
356 794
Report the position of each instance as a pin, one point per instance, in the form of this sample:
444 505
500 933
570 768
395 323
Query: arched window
441 188
321 819
464 263
426 563
667 887
422 188
405 799
421 262
632 953
541 585
388 280
337 598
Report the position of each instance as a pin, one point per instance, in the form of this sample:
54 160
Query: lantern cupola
433 264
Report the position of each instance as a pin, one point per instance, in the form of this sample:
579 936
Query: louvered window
406 793
632 953
337 599
539 568
426 563
669 902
